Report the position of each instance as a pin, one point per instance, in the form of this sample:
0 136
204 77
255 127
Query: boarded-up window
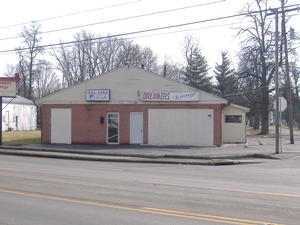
233 119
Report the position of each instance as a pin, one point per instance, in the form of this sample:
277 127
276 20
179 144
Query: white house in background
18 114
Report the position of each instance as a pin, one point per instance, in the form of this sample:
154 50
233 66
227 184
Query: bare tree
47 81
172 70
295 72
148 59
63 57
134 54
87 58
249 86
259 43
90 57
79 61
10 70
129 53
28 53
110 48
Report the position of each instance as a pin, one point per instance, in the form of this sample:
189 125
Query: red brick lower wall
87 126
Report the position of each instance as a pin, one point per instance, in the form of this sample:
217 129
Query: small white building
234 123
18 114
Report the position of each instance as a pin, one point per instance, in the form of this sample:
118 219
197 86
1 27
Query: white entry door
136 128
61 126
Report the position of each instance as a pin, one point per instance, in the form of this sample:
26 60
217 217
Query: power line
72 14
121 19
185 30
150 35
136 16
157 34
130 33
136 32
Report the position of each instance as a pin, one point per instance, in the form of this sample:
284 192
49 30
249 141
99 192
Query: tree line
250 84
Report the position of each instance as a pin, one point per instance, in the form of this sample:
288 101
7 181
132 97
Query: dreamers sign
162 96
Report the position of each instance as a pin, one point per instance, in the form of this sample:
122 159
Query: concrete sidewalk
259 149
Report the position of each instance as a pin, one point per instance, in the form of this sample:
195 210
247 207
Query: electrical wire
135 32
71 14
185 30
121 19
147 35
130 33
144 36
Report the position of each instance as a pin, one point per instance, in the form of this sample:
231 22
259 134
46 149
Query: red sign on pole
8 86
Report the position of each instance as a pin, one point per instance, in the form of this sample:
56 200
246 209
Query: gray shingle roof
18 100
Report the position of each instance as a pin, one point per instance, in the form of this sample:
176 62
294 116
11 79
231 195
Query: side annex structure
132 106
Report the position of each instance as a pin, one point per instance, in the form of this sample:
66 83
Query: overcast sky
214 36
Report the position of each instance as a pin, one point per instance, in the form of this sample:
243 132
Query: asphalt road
35 191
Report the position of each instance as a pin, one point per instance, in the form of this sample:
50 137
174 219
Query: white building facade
18 114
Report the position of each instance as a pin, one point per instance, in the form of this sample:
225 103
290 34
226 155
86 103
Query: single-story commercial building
132 106
18 113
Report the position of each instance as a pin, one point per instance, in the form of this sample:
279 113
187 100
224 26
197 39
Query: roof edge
238 107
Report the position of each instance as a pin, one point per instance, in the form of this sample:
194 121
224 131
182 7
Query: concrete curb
85 152
241 156
145 155
134 158
59 155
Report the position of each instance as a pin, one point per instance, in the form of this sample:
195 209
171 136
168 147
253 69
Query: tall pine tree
196 73
226 84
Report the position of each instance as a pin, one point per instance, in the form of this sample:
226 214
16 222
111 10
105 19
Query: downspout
222 120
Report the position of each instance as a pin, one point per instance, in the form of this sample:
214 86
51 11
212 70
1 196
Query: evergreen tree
226 84
196 74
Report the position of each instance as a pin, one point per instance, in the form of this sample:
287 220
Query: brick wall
87 126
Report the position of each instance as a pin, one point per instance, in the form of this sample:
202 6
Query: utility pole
288 80
276 85
290 108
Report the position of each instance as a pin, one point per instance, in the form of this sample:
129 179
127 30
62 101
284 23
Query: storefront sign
170 96
97 95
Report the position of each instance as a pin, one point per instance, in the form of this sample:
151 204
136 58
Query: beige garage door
61 126
192 127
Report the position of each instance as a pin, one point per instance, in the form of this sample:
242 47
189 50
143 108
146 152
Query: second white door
136 128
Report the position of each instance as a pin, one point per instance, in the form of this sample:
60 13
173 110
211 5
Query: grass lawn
21 137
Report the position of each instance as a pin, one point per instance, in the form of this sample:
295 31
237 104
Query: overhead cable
136 32
121 19
131 33
71 14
